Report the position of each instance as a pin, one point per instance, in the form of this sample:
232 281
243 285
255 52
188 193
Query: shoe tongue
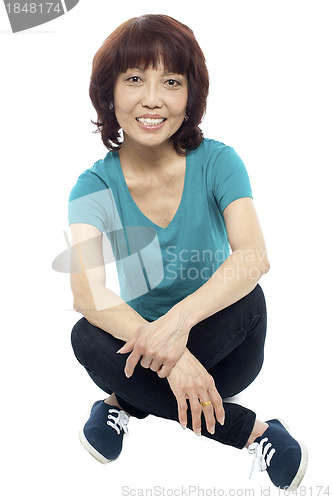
112 407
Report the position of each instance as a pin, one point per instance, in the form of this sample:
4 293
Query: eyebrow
142 71
172 73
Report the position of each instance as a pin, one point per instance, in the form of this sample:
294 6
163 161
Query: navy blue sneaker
284 458
103 433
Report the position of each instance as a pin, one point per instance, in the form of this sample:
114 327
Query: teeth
150 121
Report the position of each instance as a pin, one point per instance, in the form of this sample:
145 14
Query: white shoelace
118 419
262 458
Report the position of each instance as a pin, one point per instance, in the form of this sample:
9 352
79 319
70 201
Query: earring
186 117
111 106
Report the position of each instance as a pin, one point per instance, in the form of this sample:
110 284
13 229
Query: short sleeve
231 180
91 202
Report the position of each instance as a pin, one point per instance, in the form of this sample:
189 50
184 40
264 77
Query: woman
190 321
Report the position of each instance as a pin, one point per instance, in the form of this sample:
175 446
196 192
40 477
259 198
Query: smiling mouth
150 122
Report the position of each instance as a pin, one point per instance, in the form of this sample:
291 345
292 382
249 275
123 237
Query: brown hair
141 42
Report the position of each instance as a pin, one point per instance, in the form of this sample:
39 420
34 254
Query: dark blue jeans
229 344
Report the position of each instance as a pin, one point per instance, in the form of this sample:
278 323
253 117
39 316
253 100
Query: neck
146 160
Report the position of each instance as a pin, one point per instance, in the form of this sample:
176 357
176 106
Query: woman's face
150 105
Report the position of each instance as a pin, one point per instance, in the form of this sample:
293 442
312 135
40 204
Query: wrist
187 312
185 356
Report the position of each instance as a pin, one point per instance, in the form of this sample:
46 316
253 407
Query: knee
79 339
259 300
259 331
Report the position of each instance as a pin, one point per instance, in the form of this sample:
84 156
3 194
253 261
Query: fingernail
222 422
212 431
198 433
183 426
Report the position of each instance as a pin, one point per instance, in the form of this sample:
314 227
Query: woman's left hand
160 343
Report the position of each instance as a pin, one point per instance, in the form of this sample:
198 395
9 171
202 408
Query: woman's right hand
190 380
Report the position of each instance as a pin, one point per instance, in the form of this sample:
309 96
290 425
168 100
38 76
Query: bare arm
99 305
162 342
234 279
239 273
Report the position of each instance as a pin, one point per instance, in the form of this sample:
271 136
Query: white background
269 63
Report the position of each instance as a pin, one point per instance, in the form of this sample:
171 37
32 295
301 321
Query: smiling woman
138 94
150 42
190 321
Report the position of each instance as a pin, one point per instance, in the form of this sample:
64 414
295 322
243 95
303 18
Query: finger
182 409
146 361
156 364
162 363
208 412
131 362
196 412
166 369
217 405
128 346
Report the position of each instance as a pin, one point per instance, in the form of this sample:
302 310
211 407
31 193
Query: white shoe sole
85 443
303 464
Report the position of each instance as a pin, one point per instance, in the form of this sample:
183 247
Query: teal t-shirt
158 267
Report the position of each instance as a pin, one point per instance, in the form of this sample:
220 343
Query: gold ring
207 403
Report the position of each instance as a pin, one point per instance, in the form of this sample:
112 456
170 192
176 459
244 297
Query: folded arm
239 273
98 304
162 342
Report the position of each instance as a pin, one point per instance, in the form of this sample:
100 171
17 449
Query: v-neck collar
138 210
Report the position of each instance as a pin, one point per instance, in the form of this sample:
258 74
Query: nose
151 97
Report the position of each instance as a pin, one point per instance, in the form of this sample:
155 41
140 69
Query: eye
172 83
134 79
